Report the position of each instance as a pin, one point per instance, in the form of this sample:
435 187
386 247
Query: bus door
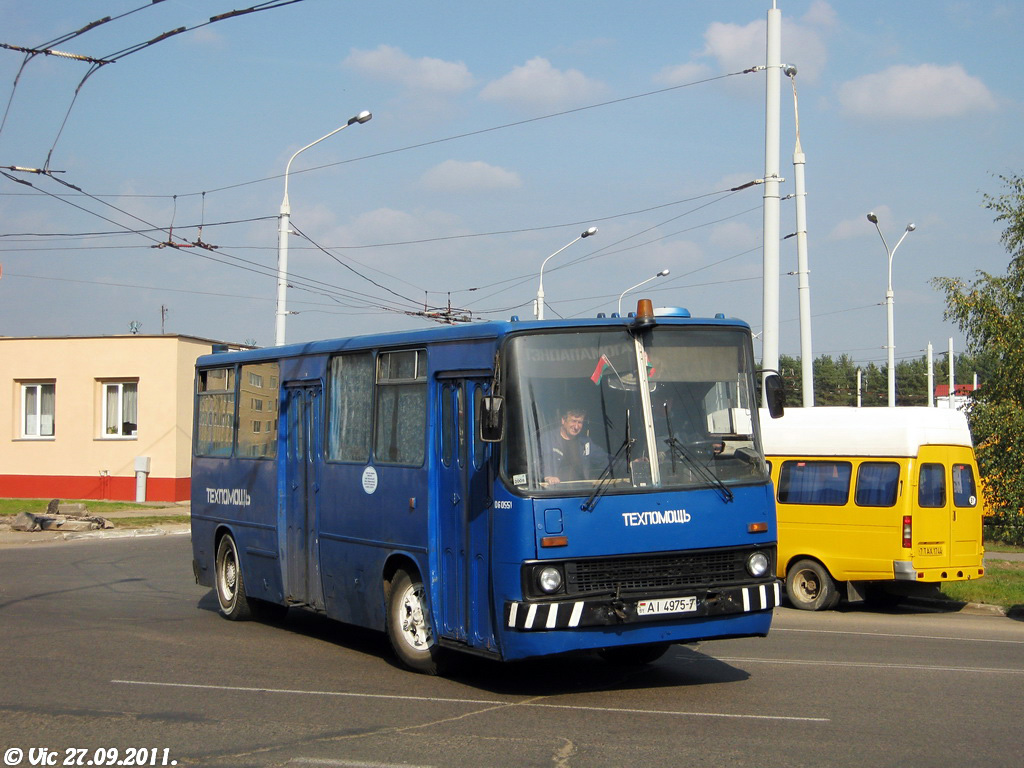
463 515
933 516
949 509
301 551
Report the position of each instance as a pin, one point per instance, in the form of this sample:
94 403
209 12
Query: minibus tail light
908 537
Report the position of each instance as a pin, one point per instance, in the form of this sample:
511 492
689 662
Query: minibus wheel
408 625
231 597
811 587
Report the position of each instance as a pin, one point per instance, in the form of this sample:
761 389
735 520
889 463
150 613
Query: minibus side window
814 482
964 493
877 484
931 487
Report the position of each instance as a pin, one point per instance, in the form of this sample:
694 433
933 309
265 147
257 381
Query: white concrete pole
770 295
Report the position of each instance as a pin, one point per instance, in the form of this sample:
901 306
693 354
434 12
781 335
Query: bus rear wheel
408 625
230 588
811 587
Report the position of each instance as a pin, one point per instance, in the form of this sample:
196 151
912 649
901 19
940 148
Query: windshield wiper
711 478
607 475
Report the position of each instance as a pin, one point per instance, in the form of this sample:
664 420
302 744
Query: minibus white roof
837 431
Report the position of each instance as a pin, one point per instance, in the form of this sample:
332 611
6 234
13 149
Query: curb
976 609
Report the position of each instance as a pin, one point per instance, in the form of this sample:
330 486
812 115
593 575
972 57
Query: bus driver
566 453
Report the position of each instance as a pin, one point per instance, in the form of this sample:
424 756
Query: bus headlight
757 564
549 579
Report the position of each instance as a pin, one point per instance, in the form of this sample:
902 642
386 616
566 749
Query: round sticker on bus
370 479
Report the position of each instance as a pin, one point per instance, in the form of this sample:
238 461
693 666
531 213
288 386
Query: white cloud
538 85
737 48
461 176
682 73
733 236
424 74
924 91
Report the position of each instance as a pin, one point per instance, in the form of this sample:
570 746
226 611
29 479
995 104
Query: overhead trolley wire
97 62
295 280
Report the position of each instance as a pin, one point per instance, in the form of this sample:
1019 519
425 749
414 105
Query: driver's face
571 425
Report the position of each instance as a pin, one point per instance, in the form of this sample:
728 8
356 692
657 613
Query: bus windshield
669 407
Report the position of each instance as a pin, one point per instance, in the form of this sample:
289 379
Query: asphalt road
109 644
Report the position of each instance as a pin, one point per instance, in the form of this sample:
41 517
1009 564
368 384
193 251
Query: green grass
1003 584
38 506
998 546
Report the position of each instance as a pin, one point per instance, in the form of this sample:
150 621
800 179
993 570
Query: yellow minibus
873 503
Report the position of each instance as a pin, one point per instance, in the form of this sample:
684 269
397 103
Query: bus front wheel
408 625
231 597
811 587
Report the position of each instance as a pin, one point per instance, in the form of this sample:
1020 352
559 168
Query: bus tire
811 587
408 625
633 655
229 586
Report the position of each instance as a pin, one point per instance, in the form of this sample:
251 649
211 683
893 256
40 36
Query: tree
990 312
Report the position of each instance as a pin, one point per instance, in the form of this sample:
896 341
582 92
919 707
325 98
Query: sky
500 132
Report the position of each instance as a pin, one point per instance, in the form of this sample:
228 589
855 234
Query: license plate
929 550
666 605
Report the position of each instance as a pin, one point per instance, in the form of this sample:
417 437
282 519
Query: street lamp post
642 282
538 307
284 230
891 334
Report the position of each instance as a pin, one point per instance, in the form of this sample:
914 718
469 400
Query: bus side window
215 412
257 410
350 400
401 407
931 487
964 493
877 484
826 483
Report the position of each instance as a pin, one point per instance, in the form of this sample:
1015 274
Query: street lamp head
589 232
663 273
872 218
911 227
362 117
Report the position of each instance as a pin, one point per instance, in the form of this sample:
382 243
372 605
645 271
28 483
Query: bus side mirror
492 418
774 395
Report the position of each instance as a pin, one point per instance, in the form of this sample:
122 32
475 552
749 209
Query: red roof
942 390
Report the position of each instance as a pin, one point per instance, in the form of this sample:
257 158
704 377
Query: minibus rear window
964 493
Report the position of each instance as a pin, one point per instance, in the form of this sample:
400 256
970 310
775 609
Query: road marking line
893 634
868 664
433 699
242 689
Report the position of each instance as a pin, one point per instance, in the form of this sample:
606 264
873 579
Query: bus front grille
622 575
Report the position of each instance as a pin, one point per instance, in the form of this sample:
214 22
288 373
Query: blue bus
507 489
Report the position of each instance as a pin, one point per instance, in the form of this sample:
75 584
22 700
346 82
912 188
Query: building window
38 410
120 408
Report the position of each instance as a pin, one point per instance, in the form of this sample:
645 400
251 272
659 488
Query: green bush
1006 526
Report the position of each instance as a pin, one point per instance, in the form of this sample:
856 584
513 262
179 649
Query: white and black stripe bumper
570 614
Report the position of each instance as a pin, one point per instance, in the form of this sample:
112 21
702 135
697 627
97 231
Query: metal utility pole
770 295
802 270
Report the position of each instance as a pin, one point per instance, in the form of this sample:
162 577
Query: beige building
96 417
